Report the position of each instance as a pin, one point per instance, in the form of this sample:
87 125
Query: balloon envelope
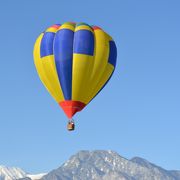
74 62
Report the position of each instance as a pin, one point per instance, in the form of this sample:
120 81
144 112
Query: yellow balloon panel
104 78
47 72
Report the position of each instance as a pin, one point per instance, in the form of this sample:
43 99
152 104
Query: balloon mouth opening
70 107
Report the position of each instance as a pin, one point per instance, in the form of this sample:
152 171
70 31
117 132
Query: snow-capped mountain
13 173
97 165
108 165
7 173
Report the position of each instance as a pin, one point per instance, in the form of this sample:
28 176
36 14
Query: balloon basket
70 126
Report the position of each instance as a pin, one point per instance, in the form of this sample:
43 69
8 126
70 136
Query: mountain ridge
97 165
106 165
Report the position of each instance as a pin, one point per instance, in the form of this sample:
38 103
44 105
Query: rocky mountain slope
7 173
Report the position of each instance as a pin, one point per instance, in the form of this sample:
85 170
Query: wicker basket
70 126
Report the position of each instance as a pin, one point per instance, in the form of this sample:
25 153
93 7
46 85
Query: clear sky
136 114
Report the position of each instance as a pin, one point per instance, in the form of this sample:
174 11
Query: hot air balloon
74 62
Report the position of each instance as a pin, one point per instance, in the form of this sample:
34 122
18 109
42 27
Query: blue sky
136 114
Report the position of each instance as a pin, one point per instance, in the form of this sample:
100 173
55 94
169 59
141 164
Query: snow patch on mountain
36 176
